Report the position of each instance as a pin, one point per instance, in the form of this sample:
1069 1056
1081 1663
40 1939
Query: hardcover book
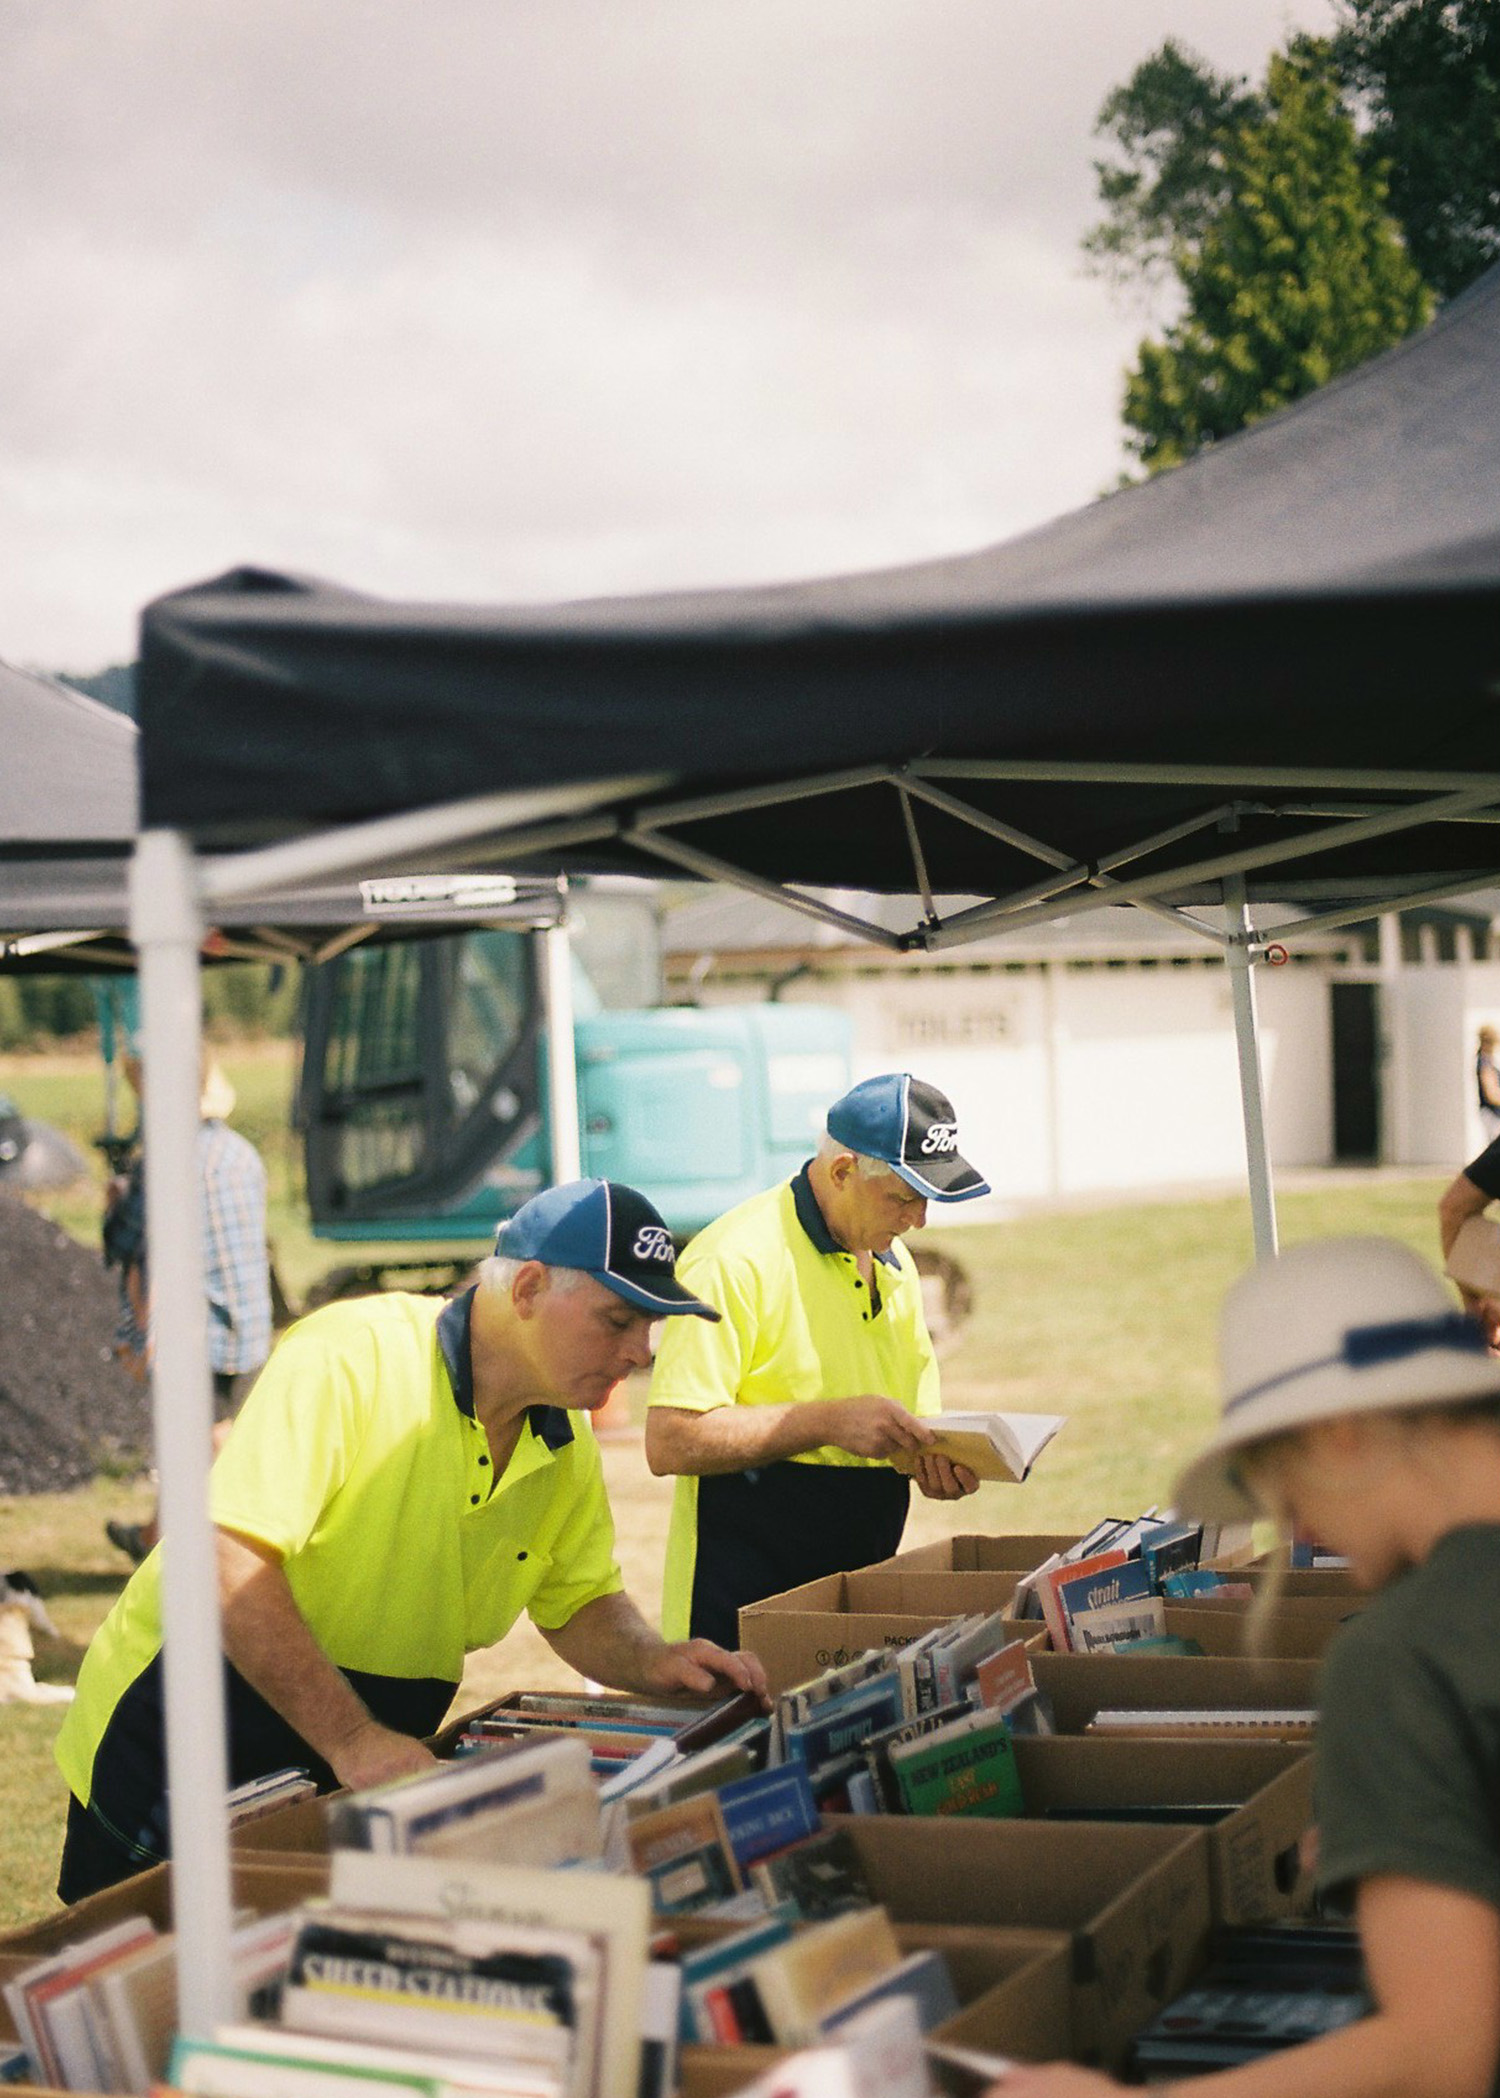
612 1911
820 1877
800 1981
1050 1581
516 1993
1098 1588
768 1810
685 1853
966 1767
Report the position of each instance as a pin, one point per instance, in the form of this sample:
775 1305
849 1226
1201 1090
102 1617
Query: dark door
1356 1073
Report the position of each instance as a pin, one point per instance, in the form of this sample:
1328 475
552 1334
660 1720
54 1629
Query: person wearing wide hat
778 1422
1361 1408
406 1477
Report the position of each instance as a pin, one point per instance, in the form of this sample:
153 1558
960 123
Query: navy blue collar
550 1424
813 1222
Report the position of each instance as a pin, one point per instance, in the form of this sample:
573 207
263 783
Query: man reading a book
406 1478
781 1419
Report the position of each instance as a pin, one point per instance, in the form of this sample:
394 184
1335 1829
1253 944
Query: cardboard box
1254 1853
1295 1631
1135 1902
1079 1685
297 1830
261 1885
805 1630
1018 1551
1017 1982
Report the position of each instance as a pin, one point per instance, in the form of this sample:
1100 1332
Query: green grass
1106 1316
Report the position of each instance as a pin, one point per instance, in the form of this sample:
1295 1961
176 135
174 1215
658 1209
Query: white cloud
509 298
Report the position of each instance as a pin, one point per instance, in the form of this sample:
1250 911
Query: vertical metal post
167 930
1247 1048
562 1069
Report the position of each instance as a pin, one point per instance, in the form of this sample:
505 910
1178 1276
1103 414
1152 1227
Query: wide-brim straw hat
216 1101
1337 1326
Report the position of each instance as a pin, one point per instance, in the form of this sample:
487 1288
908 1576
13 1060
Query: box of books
1293 1631
1014 1552
1252 1798
800 1633
1205 1695
297 1830
1135 1901
92 2001
1013 1986
258 1887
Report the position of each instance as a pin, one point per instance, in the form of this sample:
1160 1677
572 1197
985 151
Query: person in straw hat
1362 1408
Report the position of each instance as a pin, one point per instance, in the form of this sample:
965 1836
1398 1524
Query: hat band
1366 1346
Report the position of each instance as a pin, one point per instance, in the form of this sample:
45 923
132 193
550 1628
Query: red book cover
1048 1585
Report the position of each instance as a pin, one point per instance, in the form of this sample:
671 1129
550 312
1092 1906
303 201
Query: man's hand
609 1641
372 1754
941 1479
698 1667
871 1426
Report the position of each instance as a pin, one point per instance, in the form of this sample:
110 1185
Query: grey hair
498 1273
867 1168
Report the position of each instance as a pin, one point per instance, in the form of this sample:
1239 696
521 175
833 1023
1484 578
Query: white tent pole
562 1066
381 842
167 929
1247 1046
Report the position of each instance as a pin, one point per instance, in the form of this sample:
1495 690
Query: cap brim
950 1179
669 1300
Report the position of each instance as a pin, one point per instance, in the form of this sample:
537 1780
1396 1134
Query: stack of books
772 1984
1108 1592
99 2015
1267 1989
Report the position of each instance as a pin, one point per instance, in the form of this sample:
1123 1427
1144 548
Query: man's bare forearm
269 1641
737 1438
733 1438
610 1642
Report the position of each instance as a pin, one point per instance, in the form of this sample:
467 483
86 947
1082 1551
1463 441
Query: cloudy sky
517 299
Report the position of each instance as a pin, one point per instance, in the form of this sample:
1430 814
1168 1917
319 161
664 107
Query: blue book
1193 1580
768 1810
1125 1583
1168 1548
835 1728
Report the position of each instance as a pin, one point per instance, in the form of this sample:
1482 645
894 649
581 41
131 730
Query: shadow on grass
54 1581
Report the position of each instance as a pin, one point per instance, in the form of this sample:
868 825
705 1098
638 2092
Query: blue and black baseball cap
911 1127
611 1233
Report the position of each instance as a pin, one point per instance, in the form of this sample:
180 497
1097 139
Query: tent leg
1247 1046
167 930
562 1067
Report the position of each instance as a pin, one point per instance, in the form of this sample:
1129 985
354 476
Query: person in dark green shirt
1362 1408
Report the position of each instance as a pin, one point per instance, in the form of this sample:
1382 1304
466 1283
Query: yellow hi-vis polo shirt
796 1324
358 1460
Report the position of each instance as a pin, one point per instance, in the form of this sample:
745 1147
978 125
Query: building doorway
1356 1073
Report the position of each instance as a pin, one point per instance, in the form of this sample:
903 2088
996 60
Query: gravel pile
67 1407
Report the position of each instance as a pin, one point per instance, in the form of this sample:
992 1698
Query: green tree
1168 127
1300 274
1425 75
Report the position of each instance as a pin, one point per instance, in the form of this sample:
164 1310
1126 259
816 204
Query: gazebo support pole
562 1069
167 929
1247 1047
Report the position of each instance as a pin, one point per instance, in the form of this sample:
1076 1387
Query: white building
1099 1054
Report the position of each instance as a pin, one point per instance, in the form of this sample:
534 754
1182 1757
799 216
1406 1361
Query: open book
992 1445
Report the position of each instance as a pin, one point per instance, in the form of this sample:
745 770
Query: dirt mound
67 1407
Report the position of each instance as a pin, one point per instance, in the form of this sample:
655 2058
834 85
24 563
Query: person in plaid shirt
235 1269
